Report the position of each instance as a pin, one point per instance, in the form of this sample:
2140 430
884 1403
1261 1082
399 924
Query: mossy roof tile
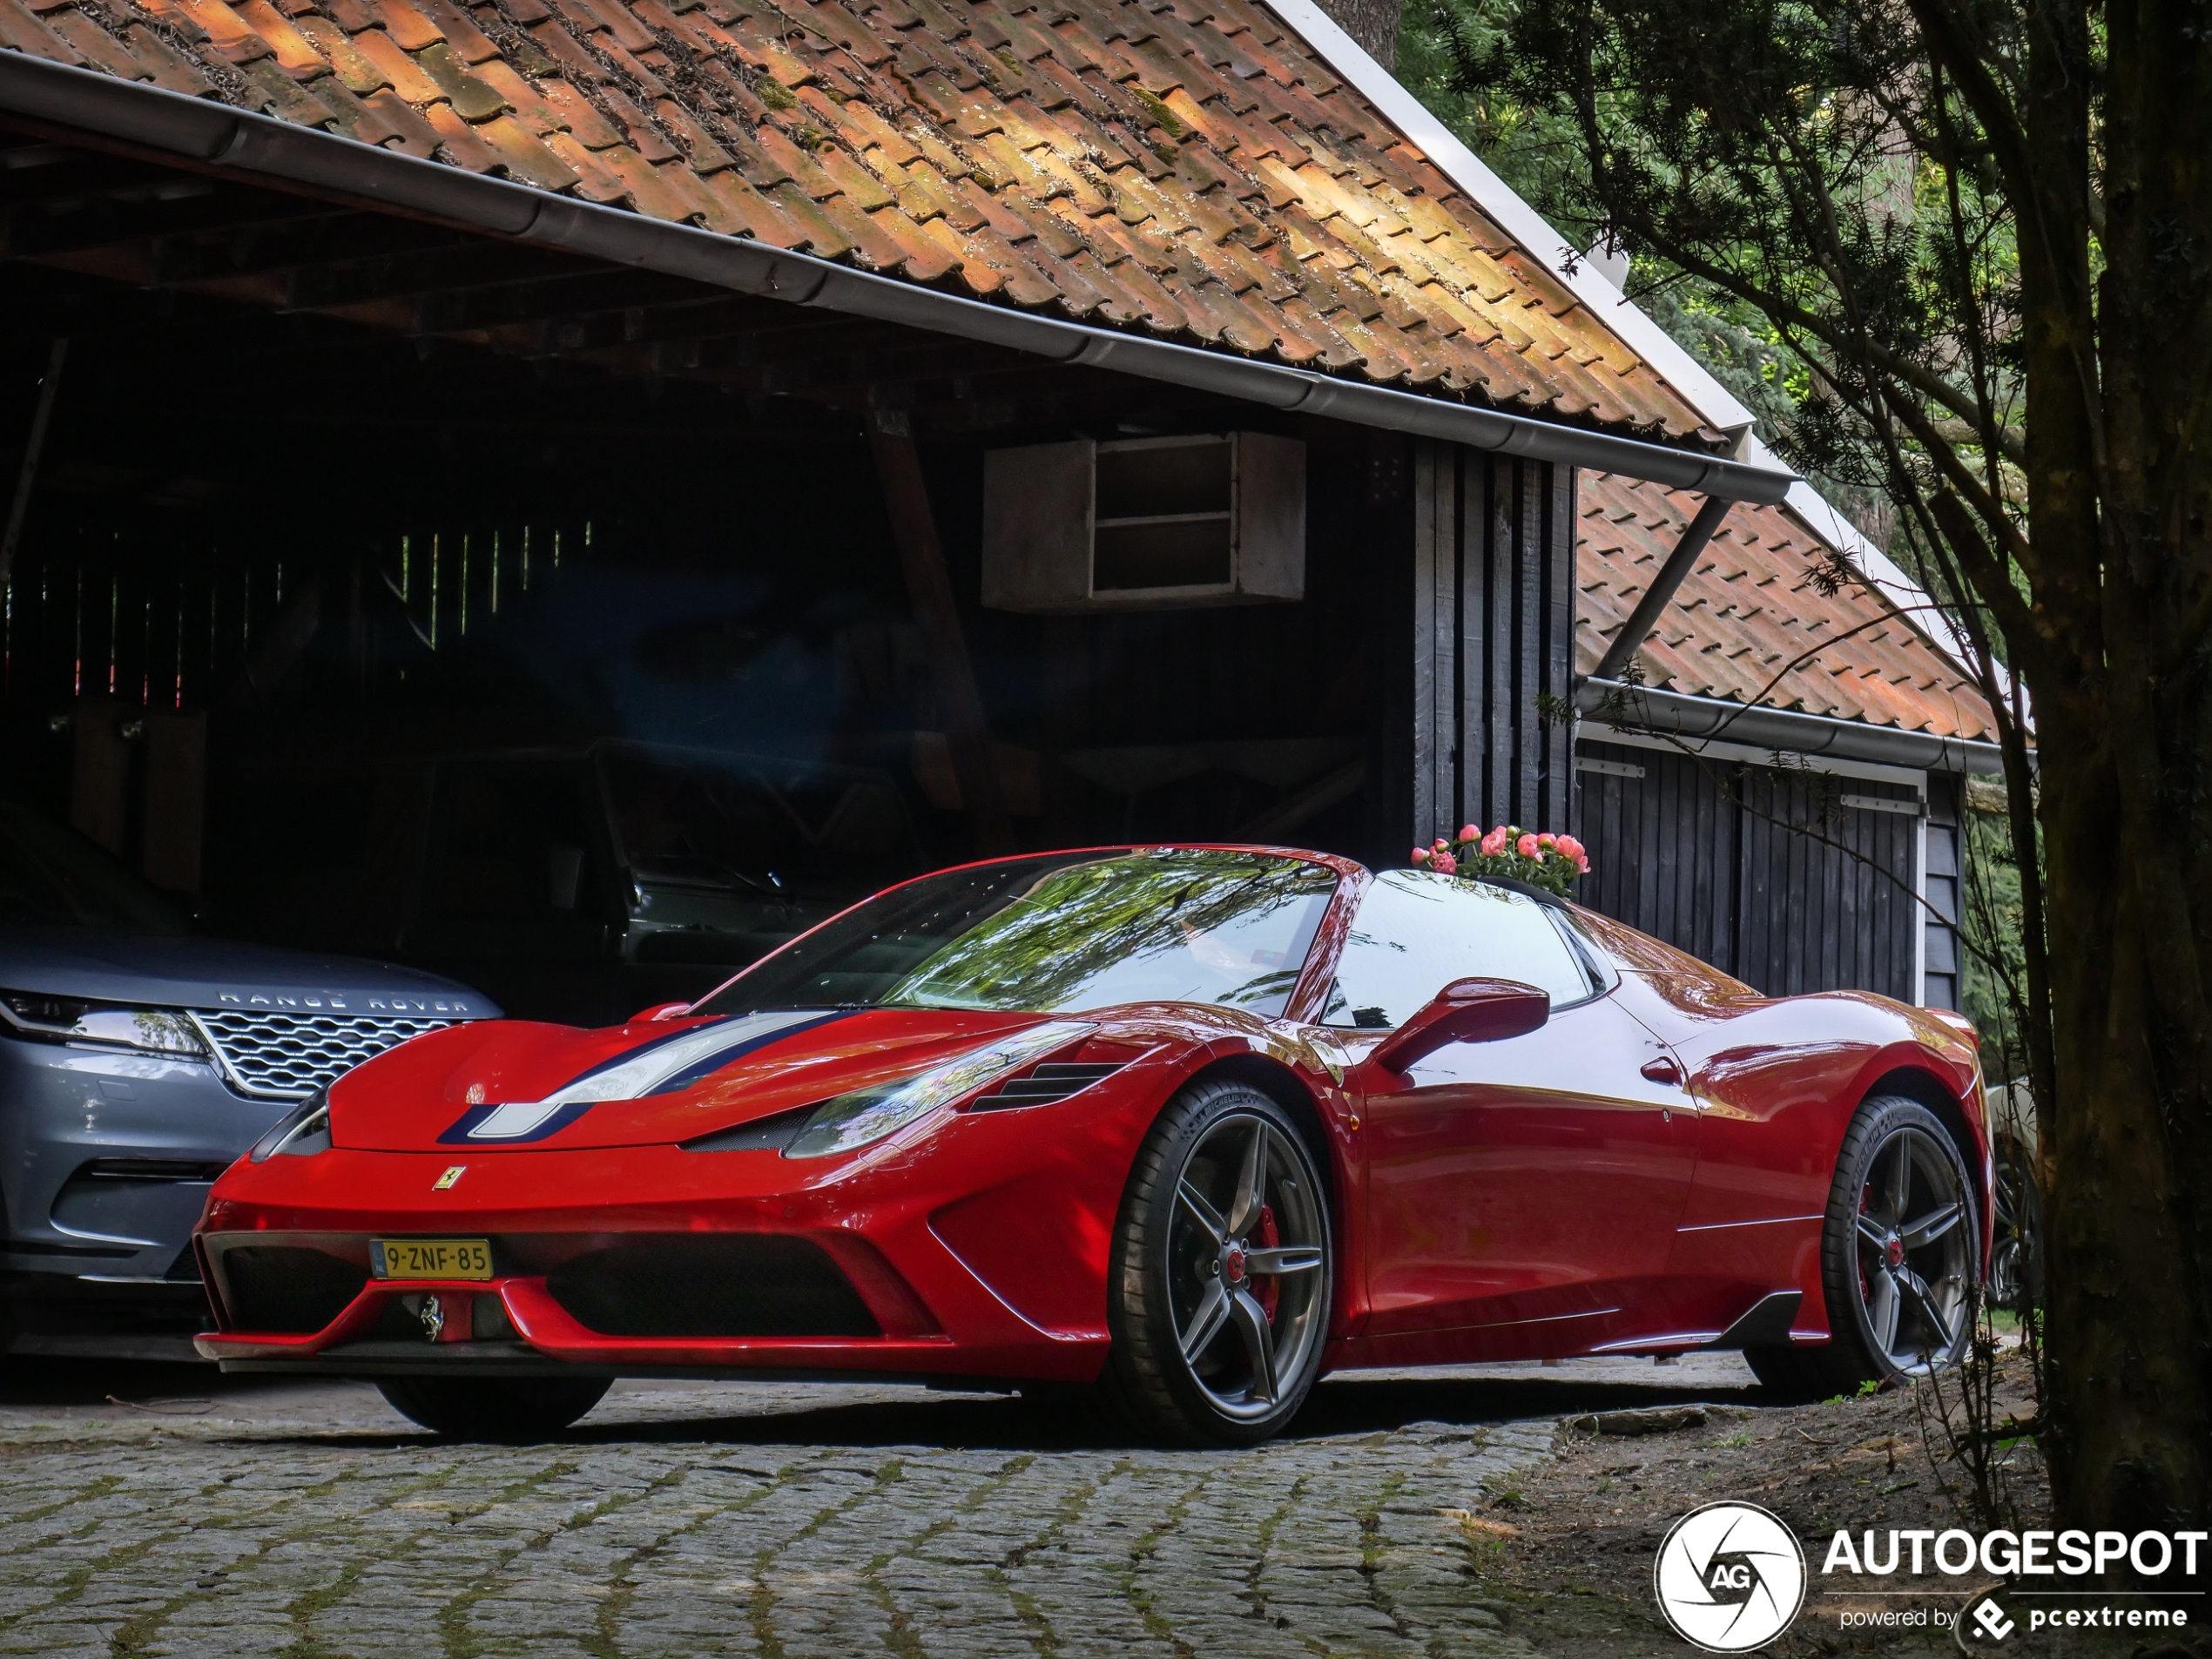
1191 170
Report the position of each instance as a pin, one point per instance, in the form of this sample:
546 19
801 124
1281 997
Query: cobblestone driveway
785 1520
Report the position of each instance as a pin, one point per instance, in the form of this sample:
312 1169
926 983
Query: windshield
748 825
52 877
1058 934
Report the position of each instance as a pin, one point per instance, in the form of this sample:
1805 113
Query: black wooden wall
1492 627
1793 880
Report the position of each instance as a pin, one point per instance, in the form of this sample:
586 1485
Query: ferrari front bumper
975 1252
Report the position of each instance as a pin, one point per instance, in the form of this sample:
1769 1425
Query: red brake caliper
1268 1291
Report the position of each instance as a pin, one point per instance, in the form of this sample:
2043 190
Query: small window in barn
1209 519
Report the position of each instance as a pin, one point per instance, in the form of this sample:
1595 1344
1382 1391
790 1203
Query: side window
1417 932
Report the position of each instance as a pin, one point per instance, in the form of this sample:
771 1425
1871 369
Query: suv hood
189 972
512 1086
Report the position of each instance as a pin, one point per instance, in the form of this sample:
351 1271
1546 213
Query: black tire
1194 1227
1898 1262
494 1408
2016 1260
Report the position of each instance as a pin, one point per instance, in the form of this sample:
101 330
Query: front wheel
494 1408
1219 1291
1898 1259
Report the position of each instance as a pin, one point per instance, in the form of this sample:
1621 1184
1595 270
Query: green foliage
1994 988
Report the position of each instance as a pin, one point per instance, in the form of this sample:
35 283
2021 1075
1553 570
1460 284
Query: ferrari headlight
69 1019
868 1115
300 1133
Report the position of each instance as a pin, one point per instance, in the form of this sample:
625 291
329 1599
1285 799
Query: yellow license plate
431 1257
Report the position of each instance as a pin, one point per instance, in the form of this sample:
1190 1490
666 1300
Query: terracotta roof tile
1189 169
1750 623
95 45
398 123
22 32
525 160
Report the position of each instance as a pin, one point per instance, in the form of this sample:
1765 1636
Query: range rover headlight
300 1133
866 1116
106 1025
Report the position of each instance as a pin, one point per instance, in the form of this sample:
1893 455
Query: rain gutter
213 136
1694 719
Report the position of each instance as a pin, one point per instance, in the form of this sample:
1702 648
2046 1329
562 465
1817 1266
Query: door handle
1662 1070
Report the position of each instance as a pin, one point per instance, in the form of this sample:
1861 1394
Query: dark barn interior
333 520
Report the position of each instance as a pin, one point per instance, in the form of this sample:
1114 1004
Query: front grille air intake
1045 1084
289 1056
286 1287
739 1284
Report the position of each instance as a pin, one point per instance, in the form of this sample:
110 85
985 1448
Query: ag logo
1730 1577
1992 1620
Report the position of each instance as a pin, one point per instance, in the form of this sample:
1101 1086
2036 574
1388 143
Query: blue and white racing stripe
661 1065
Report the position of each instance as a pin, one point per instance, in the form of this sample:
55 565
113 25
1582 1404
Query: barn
560 491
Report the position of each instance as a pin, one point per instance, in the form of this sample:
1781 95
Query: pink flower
1526 847
1468 832
1495 842
1581 865
1421 856
1444 864
1548 841
1572 848
1443 846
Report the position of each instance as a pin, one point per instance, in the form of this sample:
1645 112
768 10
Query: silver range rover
136 1061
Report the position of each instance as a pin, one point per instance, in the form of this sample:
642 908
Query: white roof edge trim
1516 218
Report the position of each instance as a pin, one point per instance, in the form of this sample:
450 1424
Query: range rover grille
289 1056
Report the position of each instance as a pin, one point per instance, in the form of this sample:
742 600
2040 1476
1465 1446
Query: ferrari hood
507 1084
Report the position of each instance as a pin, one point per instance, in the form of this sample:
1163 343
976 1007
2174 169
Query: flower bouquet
1549 861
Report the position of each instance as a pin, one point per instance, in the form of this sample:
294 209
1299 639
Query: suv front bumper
105 1162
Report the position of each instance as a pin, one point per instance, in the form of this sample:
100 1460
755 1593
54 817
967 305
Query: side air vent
284 1287
737 1284
1044 1084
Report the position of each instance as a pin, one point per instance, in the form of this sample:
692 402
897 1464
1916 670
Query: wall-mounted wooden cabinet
1144 523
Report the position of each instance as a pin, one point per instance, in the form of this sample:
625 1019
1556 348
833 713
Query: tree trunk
2126 736
2128 1386
1373 24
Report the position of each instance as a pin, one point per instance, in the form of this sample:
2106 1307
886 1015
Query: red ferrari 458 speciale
1193 1124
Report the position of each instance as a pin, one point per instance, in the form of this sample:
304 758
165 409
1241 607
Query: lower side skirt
369 1361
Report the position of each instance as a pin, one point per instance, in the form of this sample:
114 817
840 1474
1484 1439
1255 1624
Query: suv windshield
1059 934
747 824
53 878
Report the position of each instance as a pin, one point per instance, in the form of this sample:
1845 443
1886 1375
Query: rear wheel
494 1408
2016 1261
1898 1258
1218 1295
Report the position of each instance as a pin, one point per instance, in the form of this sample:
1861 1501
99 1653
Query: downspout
1645 617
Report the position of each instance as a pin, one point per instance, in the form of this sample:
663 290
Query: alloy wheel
1247 1285
1915 1251
2015 1259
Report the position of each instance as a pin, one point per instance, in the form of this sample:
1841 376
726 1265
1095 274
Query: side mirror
1466 1011
659 1011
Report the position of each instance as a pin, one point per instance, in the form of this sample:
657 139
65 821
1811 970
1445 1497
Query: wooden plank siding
1946 865
1493 641
1767 873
